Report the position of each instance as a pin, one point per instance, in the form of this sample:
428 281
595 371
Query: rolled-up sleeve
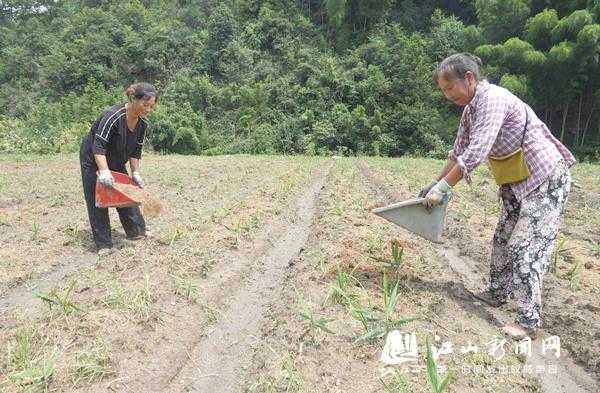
490 113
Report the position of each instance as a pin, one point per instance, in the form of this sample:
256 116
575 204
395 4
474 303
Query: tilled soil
436 289
569 312
149 303
254 280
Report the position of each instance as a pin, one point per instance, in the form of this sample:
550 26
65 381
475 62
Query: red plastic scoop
113 197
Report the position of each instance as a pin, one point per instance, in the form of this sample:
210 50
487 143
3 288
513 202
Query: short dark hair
457 65
141 90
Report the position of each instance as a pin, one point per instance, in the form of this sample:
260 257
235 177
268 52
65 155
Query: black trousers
131 217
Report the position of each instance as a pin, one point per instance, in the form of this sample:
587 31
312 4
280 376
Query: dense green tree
563 7
448 35
335 11
290 76
539 29
501 19
568 27
222 28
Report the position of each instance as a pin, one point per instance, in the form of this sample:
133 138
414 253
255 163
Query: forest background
291 76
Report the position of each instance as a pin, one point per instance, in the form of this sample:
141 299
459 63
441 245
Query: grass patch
185 287
92 365
138 300
289 380
340 291
62 300
28 363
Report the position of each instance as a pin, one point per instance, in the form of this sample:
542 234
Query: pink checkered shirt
492 125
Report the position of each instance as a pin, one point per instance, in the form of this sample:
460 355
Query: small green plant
204 266
360 204
117 297
177 234
437 385
290 377
573 275
185 287
367 318
319 260
74 235
338 210
374 243
289 380
390 296
559 253
246 227
91 366
595 248
265 384
61 299
35 230
253 223
172 237
56 200
21 352
378 324
340 291
211 312
397 253
315 323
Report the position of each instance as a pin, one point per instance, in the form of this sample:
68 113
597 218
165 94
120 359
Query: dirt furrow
185 322
216 363
23 297
189 323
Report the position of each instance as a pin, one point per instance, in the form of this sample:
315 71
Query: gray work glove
436 195
137 178
426 189
105 178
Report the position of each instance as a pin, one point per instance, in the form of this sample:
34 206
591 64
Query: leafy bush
177 128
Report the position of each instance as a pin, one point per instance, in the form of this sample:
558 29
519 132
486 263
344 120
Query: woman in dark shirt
115 138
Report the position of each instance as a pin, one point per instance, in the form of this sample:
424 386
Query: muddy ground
261 275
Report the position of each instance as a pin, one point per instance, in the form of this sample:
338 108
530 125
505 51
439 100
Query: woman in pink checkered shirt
496 123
